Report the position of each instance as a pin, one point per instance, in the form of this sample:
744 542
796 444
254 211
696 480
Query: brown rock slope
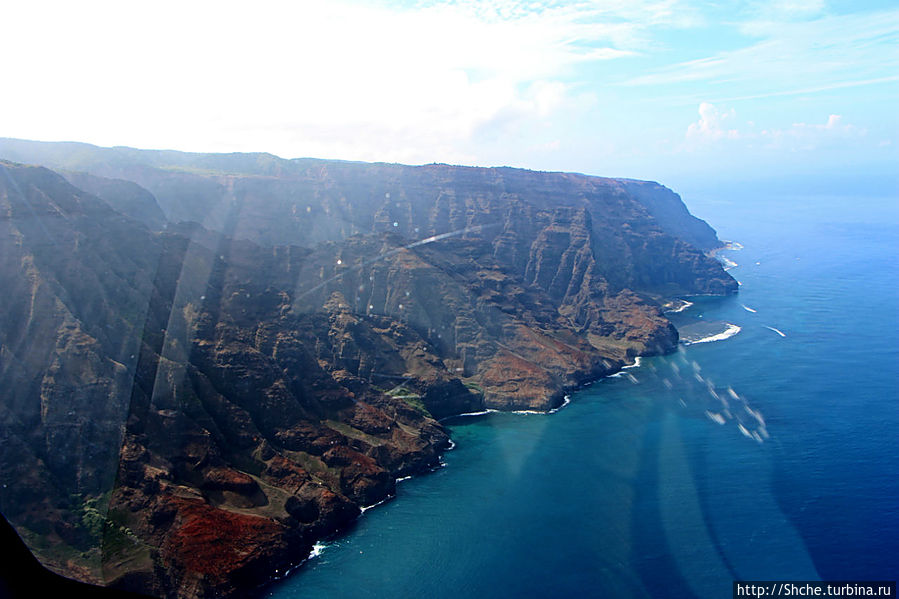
185 413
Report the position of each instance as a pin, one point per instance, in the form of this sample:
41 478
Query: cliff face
644 238
122 196
186 408
169 423
668 209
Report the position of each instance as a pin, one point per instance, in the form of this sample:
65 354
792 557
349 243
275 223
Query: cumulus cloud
718 125
713 124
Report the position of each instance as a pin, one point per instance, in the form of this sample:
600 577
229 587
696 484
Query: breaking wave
729 332
679 306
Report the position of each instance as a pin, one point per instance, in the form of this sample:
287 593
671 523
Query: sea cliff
210 362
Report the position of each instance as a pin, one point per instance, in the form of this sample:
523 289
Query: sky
680 91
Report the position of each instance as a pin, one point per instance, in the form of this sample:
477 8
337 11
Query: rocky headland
210 362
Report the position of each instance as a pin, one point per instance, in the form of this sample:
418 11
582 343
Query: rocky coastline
282 572
213 362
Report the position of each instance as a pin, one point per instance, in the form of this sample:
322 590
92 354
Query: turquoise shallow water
635 489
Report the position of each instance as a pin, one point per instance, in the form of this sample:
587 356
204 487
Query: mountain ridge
118 162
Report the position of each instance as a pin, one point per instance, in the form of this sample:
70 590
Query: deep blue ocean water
636 488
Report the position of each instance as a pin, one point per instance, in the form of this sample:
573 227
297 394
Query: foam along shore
621 373
316 550
676 305
638 360
565 401
469 414
365 508
320 546
726 262
725 245
731 245
729 332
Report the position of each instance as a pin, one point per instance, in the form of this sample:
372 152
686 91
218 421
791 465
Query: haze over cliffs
209 362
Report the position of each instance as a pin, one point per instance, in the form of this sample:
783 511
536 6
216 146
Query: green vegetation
102 524
92 516
414 401
411 398
400 391
119 539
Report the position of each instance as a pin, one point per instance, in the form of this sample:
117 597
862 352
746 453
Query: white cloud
812 136
823 53
774 11
338 79
712 125
717 126
815 89
526 82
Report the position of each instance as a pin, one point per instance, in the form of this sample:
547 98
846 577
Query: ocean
766 448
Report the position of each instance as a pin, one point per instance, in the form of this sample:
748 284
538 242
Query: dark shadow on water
698 464
652 554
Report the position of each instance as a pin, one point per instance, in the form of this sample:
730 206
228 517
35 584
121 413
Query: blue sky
677 91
